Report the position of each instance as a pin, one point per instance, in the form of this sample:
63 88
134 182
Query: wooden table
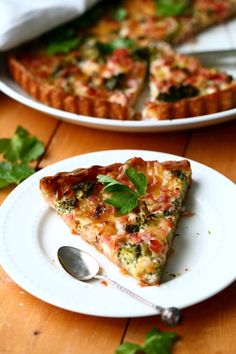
31 326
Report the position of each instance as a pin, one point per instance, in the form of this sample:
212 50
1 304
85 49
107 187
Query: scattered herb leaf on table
18 151
156 342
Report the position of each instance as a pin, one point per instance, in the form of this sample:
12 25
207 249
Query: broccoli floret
66 205
179 174
129 253
176 93
132 228
83 189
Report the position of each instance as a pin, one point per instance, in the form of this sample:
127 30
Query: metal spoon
82 266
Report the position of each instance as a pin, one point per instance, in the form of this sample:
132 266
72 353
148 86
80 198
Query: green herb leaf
119 43
159 342
18 151
63 46
107 181
4 144
120 14
21 147
13 174
124 202
167 8
129 348
138 179
112 185
123 197
156 342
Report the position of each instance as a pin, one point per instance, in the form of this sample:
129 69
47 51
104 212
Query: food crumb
36 333
198 233
174 275
142 284
103 282
186 269
123 271
209 232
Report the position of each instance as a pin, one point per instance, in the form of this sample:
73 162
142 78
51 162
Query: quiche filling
135 234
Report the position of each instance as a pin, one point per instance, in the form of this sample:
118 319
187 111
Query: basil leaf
129 348
138 179
124 202
119 43
4 144
124 198
156 342
120 14
107 180
21 147
167 8
63 46
13 174
159 342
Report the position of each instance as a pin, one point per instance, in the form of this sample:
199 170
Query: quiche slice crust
180 86
139 241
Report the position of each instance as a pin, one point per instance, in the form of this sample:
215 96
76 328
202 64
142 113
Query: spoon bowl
84 267
78 263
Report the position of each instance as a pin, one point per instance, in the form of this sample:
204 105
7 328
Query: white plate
204 257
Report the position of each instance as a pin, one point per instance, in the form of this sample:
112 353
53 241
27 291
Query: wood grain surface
31 326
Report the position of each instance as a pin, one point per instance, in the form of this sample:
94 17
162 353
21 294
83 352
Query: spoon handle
129 292
171 315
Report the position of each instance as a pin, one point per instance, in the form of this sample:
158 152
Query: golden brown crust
59 99
55 184
218 101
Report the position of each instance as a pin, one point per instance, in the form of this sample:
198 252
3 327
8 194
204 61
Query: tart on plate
97 64
128 211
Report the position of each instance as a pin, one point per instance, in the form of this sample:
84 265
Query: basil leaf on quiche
119 43
123 197
167 8
124 202
64 46
120 14
138 179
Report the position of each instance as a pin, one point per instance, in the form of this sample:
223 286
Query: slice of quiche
95 79
180 86
173 21
128 211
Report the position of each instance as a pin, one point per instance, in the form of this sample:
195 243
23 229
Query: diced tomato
156 246
220 8
122 58
92 91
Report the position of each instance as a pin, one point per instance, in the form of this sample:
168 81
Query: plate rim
67 160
